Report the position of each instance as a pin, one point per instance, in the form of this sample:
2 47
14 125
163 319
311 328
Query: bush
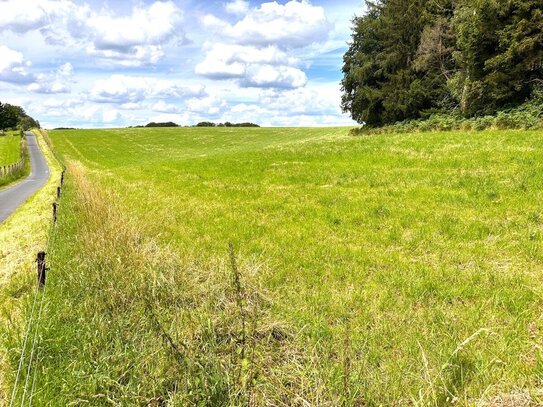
528 116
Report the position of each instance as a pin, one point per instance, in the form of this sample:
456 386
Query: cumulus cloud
164 107
269 76
111 116
13 68
252 66
43 86
256 50
135 56
237 7
138 38
308 106
211 105
133 89
132 106
57 82
59 21
295 24
133 40
225 61
314 101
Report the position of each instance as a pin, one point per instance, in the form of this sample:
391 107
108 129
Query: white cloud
134 56
295 24
56 102
13 66
225 61
138 37
23 16
164 107
48 87
131 106
66 70
314 101
309 106
211 105
125 89
257 50
237 7
250 64
153 26
110 116
9 58
56 82
133 40
58 21
269 76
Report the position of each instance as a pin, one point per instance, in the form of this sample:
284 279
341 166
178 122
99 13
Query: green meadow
9 150
293 267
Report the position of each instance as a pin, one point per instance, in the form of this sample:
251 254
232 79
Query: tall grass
147 327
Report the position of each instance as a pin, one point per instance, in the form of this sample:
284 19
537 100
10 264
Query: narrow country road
11 198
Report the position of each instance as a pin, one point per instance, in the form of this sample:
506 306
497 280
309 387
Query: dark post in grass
41 269
58 192
62 178
55 206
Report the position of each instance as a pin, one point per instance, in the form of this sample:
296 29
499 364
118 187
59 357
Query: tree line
411 59
200 124
15 118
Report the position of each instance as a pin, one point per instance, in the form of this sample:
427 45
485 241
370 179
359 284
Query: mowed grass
9 150
383 270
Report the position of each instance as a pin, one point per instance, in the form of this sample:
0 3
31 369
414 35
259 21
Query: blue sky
120 63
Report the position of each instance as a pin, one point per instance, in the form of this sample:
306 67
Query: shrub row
528 116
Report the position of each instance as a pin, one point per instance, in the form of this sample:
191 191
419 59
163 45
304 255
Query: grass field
9 150
384 270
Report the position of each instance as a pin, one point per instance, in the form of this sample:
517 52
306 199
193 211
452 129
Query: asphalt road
13 197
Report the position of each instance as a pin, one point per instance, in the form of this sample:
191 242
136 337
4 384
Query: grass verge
21 237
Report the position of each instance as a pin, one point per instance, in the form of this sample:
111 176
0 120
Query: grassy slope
21 237
9 150
400 267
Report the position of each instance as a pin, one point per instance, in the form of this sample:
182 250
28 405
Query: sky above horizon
121 63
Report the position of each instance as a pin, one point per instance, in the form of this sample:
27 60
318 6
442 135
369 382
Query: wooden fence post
41 269
55 206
